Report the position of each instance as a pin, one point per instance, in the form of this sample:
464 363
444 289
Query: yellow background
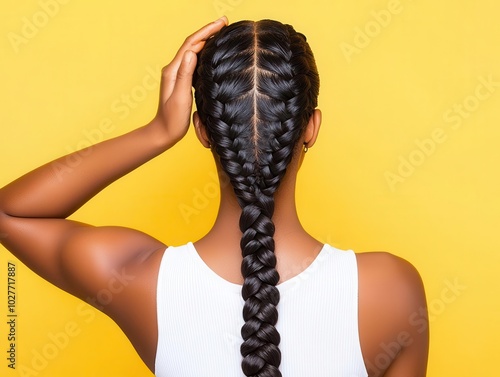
395 75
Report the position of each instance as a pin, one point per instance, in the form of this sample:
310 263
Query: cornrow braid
256 87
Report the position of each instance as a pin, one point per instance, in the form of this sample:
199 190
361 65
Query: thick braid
253 93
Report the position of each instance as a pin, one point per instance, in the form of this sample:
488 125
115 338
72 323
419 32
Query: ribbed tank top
200 318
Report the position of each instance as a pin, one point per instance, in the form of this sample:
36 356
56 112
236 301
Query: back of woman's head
256 89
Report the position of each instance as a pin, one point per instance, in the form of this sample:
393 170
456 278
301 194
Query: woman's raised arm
33 208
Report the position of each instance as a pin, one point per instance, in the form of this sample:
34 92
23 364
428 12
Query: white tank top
200 318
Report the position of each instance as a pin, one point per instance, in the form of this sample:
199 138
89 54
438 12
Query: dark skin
82 259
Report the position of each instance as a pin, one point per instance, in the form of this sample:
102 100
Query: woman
308 308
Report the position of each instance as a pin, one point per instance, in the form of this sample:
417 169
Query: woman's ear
312 128
200 130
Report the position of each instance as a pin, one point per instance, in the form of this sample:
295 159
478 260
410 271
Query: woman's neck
294 247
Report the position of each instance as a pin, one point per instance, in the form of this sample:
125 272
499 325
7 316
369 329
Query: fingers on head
196 40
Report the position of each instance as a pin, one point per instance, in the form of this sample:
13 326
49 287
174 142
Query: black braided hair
256 87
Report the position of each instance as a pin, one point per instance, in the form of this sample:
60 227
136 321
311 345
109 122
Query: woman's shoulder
389 283
392 308
385 270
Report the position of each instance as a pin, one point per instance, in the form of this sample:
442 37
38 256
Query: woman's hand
176 98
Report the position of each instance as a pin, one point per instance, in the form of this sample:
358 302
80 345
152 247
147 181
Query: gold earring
305 148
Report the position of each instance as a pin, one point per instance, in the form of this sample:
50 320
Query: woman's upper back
199 318
371 304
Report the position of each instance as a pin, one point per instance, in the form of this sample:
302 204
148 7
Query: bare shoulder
102 251
389 275
115 269
392 315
